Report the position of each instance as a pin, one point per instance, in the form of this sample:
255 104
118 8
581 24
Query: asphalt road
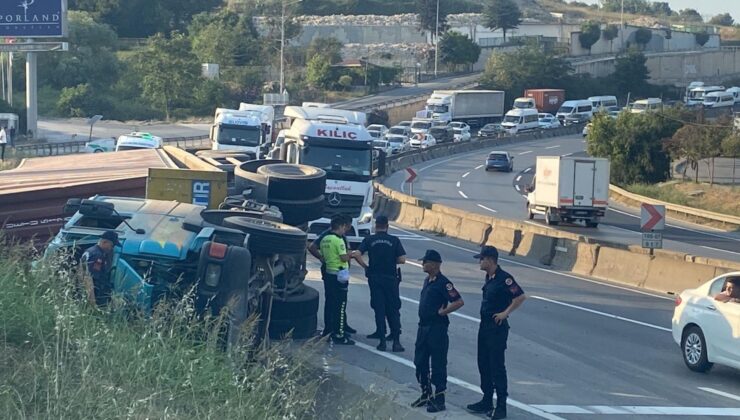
57 130
578 348
460 181
399 93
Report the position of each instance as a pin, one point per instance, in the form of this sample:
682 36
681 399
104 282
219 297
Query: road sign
652 217
33 18
652 240
412 175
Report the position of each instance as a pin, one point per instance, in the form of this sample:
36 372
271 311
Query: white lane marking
553 147
641 410
720 250
462 194
524 153
459 382
479 166
606 314
465 175
486 208
567 154
458 184
681 227
527 170
721 393
545 270
517 188
518 178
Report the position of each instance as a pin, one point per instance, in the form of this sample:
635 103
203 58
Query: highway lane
461 181
577 345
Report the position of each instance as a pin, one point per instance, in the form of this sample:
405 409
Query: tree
690 15
643 36
661 8
318 73
81 101
731 148
712 142
686 144
427 12
610 33
330 48
632 144
722 19
502 14
169 71
458 49
631 72
225 38
345 81
701 38
590 34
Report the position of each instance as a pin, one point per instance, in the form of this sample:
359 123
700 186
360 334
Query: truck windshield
565 110
341 164
239 135
397 130
440 109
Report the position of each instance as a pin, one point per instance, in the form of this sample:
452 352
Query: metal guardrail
688 212
404 100
69 148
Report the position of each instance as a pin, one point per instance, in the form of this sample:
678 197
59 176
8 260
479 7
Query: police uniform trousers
491 361
385 300
432 344
335 305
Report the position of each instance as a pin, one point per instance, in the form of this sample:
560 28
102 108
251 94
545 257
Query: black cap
488 251
431 255
381 221
111 236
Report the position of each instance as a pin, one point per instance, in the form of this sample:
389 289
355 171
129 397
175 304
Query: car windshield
490 127
405 123
380 143
497 156
397 130
546 119
421 125
565 109
512 119
343 164
239 135
374 133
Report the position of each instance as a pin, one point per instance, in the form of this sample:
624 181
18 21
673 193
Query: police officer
501 296
438 299
96 264
385 251
336 277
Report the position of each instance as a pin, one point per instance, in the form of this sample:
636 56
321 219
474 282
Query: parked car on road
399 136
443 134
377 130
500 161
422 141
548 121
461 131
708 330
100 145
383 145
491 130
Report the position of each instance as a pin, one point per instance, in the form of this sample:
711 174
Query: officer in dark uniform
96 264
501 296
438 299
385 252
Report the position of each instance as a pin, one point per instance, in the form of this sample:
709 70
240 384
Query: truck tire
530 215
293 182
299 305
297 328
297 212
254 165
548 219
267 237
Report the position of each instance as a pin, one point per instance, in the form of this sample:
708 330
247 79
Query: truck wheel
299 305
296 212
530 215
253 165
297 328
293 182
217 217
548 219
269 238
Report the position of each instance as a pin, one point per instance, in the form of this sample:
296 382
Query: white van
696 95
606 102
574 112
647 105
525 103
719 100
518 120
137 140
735 91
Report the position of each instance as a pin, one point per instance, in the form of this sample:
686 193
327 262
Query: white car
422 141
708 330
100 145
461 131
548 121
377 130
383 145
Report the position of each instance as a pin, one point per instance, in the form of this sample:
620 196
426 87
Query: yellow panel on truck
202 187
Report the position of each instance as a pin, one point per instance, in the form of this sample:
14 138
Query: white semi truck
336 141
474 107
569 189
246 130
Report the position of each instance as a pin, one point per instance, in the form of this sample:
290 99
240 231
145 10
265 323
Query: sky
706 8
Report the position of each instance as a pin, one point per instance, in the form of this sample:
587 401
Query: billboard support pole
31 95
10 79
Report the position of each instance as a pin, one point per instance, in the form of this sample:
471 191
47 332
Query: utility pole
282 48
436 41
621 27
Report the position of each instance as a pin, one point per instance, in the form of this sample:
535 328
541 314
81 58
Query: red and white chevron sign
652 217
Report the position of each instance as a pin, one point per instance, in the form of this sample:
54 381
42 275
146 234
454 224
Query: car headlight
366 217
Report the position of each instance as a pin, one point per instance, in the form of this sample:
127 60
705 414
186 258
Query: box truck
569 189
546 100
474 107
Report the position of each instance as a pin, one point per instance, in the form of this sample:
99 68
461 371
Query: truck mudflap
590 215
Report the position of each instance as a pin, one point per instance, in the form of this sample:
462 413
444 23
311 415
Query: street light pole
436 41
282 48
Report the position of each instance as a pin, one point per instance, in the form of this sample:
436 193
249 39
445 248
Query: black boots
483 406
426 394
381 346
436 403
500 412
397 347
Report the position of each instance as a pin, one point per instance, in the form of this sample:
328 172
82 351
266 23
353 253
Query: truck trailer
474 107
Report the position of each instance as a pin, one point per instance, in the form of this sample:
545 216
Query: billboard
33 18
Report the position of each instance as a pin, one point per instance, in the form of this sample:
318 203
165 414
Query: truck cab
336 141
525 103
247 130
438 105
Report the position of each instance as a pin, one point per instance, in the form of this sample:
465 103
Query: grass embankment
716 198
62 359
